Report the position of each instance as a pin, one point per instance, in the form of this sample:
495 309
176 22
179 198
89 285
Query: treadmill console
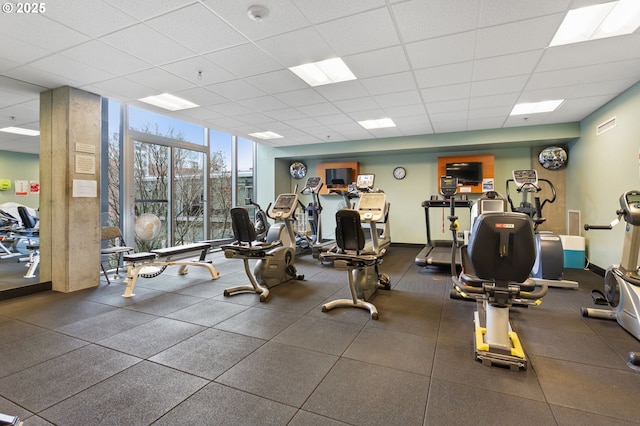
365 182
524 177
448 185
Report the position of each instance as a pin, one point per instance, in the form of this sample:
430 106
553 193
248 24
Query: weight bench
158 260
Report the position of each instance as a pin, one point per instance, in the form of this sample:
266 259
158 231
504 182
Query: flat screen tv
468 173
338 177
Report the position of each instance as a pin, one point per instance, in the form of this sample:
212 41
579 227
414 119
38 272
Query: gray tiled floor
179 352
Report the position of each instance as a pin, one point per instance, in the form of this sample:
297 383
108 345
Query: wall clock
297 170
399 173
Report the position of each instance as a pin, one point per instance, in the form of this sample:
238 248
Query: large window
168 182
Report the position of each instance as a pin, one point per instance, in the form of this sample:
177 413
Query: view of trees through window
183 191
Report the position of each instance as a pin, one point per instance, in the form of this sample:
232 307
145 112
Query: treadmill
438 252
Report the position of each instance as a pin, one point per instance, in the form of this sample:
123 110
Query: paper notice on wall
85 188
34 186
22 187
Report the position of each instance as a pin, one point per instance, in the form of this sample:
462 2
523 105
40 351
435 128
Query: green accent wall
17 166
601 168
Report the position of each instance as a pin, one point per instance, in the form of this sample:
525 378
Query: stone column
70 198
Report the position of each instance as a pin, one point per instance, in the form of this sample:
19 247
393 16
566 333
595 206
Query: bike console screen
525 177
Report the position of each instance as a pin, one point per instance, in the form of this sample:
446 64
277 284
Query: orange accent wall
487 161
322 168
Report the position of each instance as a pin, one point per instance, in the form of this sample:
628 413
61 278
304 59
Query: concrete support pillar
70 197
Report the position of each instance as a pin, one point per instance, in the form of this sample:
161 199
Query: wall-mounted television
338 177
468 173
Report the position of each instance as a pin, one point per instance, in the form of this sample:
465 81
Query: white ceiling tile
264 103
317 110
230 109
344 90
485 123
199 71
244 60
444 75
326 10
200 96
521 36
506 65
39 31
593 52
91 17
283 17
491 101
357 104
69 69
389 83
145 9
442 51
206 31
138 39
297 47
300 97
285 114
389 100
406 111
388 60
236 90
423 19
498 85
445 93
495 12
20 52
123 89
96 53
160 80
447 106
277 81
360 33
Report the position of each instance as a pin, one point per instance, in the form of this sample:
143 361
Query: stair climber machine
500 255
275 257
438 252
622 282
550 259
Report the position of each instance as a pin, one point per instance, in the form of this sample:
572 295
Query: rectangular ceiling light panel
21 131
266 135
598 21
324 72
380 123
168 102
536 107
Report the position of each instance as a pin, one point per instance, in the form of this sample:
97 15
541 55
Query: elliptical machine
261 221
622 282
549 263
276 256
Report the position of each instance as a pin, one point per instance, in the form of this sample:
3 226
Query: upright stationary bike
622 282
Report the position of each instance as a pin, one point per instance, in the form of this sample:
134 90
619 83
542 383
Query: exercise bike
622 282
501 253
276 255
549 263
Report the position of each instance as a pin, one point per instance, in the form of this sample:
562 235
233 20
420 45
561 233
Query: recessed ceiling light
168 102
598 21
21 131
536 107
324 72
266 135
380 123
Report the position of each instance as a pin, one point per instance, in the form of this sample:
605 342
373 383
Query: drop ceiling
433 66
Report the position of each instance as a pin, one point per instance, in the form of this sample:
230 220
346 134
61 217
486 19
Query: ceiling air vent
606 126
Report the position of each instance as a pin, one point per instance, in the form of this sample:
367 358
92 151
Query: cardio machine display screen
633 199
285 202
